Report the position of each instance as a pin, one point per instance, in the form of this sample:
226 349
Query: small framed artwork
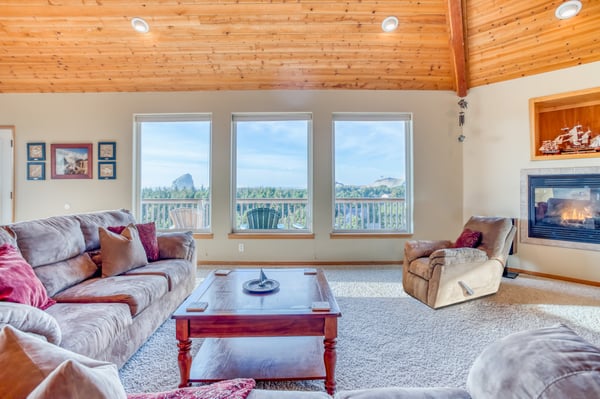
71 161
36 151
107 170
36 170
107 150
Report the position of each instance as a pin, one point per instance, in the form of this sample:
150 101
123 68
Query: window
271 172
173 171
372 173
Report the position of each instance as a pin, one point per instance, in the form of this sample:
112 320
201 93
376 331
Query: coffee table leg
184 358
330 357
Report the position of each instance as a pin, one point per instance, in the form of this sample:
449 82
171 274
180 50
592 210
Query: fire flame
575 214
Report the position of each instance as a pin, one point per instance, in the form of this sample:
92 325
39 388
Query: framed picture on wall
107 170
71 161
36 171
107 150
36 151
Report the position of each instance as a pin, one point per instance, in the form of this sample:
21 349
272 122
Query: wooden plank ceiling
89 45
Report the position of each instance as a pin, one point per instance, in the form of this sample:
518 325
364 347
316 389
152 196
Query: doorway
7 174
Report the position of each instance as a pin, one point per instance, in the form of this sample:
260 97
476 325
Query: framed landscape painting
71 161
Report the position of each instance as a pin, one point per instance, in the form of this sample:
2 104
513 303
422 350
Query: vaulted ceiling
90 46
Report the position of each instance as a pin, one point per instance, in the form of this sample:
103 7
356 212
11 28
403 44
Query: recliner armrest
414 249
455 256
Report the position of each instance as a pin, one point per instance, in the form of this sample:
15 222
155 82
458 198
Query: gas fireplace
562 207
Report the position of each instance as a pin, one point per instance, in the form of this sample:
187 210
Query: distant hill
183 182
387 181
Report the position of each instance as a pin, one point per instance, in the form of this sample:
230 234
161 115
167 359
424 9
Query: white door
6 175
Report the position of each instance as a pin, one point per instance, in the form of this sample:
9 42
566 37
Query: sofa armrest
177 245
404 393
414 249
31 320
457 256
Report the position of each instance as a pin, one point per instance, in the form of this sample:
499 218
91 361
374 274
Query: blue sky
272 153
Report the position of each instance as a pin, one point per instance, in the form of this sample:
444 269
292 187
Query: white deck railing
355 214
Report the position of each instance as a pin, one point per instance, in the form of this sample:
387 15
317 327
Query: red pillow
18 282
468 239
238 388
148 238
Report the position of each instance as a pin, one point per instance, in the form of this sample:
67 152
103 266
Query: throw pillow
121 252
238 388
72 379
468 239
28 361
31 320
147 236
18 282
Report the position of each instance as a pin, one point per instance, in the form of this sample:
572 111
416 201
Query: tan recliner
439 275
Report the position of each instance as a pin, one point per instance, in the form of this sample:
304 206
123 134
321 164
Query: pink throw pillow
18 282
468 239
238 388
148 237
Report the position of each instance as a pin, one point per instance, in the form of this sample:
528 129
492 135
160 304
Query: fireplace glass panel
565 207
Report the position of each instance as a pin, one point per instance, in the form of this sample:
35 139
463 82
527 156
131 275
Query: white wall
498 147
65 118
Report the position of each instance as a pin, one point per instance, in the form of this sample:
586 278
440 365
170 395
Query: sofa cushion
27 361
97 325
238 388
31 320
18 282
174 270
72 379
404 393
147 236
61 275
545 363
136 291
121 252
91 221
177 245
50 240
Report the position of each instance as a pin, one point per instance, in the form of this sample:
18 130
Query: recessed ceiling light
568 9
140 25
389 24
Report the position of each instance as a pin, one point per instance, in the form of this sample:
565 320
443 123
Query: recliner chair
438 274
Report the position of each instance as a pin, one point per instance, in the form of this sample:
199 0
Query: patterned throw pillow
147 236
238 388
18 282
468 239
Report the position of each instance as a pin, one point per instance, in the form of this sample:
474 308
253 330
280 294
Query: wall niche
565 125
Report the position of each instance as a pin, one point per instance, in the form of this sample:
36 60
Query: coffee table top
298 293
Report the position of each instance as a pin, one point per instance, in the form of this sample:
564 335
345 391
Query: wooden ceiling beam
457 46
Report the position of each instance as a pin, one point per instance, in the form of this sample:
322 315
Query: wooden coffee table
265 336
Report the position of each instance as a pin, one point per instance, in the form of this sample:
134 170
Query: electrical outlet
241 247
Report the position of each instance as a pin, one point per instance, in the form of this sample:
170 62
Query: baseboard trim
299 263
555 277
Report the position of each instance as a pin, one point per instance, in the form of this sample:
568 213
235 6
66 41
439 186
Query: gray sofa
105 318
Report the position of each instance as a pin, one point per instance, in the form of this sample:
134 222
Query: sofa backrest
50 240
496 235
91 221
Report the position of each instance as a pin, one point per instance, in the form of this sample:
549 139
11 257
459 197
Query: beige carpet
388 338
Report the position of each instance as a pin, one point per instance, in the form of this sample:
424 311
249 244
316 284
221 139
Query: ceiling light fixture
568 9
140 25
389 24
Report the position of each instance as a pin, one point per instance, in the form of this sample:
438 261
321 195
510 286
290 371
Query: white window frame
138 119
377 117
272 116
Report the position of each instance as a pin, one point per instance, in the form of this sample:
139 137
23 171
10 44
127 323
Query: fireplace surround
561 207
